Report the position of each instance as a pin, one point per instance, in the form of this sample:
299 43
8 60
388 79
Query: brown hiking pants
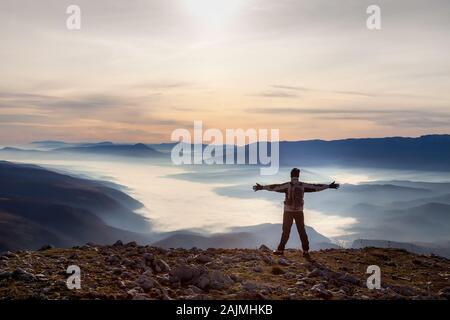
288 220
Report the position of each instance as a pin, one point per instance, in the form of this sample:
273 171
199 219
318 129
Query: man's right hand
257 187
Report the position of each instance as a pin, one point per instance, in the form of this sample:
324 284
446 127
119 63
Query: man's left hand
334 185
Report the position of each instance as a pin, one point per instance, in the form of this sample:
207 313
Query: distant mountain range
134 150
244 237
429 152
441 249
422 153
39 207
52 149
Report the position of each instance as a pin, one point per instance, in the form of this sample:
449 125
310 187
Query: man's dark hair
295 173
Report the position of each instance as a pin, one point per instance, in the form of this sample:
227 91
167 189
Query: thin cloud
319 111
294 88
164 85
306 89
392 118
276 94
355 93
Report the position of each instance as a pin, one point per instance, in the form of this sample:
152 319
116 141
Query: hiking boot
306 255
278 252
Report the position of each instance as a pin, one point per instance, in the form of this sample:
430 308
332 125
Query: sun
212 13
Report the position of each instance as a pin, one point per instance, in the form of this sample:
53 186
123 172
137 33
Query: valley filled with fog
203 205
370 204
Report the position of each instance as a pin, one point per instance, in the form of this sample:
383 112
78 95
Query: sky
137 70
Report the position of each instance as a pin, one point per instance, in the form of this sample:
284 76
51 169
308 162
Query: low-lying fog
215 198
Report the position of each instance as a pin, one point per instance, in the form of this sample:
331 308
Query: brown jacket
285 188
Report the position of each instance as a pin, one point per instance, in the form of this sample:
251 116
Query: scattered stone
283 262
118 243
258 269
249 285
41 277
128 262
134 292
131 244
235 278
289 275
91 244
160 265
195 289
315 273
185 273
265 248
321 292
10 255
74 256
146 282
141 296
148 257
445 293
113 259
163 279
248 257
268 259
227 260
213 265
203 258
346 277
404 291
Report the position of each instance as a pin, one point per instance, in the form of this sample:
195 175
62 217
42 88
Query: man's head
295 173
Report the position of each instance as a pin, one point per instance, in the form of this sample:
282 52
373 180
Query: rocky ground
129 271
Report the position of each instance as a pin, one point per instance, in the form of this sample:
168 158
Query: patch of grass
277 271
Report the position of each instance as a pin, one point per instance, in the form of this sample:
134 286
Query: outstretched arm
271 187
310 187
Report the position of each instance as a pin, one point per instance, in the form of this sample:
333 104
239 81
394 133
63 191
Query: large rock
185 273
146 283
20 274
346 277
204 258
213 280
5 275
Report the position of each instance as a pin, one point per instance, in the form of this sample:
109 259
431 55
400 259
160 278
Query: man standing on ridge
293 207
